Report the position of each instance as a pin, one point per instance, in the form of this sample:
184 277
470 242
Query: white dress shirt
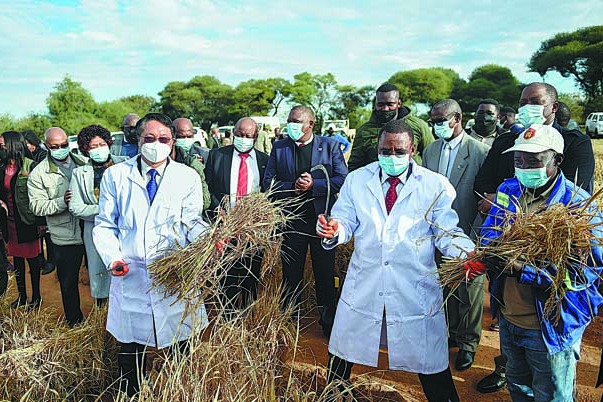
253 175
144 167
454 149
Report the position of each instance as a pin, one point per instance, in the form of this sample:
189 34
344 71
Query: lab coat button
380 293
386 262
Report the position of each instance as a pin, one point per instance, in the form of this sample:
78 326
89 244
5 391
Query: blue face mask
443 130
394 165
60 154
531 114
294 131
532 178
243 144
185 143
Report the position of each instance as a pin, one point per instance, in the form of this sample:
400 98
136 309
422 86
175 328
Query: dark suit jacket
281 169
217 173
578 161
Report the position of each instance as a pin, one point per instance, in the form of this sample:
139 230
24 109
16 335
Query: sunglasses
150 139
65 145
439 122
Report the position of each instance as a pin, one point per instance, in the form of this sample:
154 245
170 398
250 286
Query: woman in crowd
19 226
94 142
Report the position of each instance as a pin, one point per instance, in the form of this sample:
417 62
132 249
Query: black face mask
485 124
130 135
385 116
3 155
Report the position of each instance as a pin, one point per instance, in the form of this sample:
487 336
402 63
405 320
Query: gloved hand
473 269
326 229
119 268
221 245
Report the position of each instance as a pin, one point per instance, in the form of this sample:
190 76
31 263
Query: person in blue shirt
128 145
541 352
337 135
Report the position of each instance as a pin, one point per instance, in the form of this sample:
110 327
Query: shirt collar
455 142
403 177
144 167
300 143
250 153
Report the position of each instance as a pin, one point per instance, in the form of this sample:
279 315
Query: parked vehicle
342 126
72 139
594 124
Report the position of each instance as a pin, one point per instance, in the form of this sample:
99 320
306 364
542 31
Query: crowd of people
411 193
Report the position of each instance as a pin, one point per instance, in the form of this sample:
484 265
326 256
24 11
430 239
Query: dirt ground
314 352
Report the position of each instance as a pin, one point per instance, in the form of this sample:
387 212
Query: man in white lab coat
398 213
148 205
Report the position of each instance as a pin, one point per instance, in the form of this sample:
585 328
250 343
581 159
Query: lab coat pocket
349 285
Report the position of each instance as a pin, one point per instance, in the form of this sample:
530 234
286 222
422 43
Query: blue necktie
152 184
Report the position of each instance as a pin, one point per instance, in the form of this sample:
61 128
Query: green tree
7 122
38 123
576 105
318 92
488 81
204 99
577 54
425 85
253 97
352 103
140 104
69 96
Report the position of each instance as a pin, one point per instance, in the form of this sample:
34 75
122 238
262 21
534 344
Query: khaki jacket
46 188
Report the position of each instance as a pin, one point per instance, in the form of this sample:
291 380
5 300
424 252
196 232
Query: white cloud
117 49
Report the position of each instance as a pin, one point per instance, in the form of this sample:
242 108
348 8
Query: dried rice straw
43 359
193 273
561 235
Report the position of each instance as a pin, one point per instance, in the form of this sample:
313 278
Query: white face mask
242 144
155 152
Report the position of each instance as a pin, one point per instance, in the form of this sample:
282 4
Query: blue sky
120 48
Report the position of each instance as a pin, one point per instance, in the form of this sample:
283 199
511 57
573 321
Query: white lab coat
128 228
393 269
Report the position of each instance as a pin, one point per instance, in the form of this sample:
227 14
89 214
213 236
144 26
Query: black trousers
293 255
50 253
239 286
437 387
69 261
132 364
34 271
3 267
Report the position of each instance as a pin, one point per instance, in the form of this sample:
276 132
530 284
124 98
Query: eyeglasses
439 122
392 152
128 129
65 145
148 139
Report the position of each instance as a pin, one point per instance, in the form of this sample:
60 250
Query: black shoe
18 303
464 360
47 268
492 383
34 304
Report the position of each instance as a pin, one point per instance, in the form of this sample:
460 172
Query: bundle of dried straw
193 273
560 235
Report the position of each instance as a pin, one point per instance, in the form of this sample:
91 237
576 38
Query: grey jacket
469 159
46 188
